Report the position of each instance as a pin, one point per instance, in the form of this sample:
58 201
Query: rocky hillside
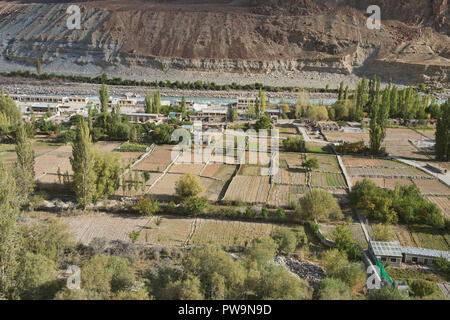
250 36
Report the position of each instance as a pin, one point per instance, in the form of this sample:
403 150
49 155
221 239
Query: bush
280 213
294 145
421 288
286 239
194 206
249 212
443 265
386 293
265 212
337 266
333 289
383 232
189 185
310 164
344 241
146 207
319 204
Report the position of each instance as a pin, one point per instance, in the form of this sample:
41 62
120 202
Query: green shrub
422 288
280 213
333 289
286 239
146 207
194 206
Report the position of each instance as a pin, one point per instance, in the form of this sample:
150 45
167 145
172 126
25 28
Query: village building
423 256
386 252
395 254
137 117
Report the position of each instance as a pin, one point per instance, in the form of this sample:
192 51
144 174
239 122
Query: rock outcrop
254 36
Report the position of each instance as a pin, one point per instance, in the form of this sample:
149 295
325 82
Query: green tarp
383 272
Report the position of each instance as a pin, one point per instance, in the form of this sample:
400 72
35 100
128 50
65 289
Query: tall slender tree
157 102
25 162
183 107
148 103
82 161
38 66
443 133
104 100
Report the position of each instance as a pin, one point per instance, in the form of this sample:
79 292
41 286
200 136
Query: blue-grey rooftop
383 248
426 252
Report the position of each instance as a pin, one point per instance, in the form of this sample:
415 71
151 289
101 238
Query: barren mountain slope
236 36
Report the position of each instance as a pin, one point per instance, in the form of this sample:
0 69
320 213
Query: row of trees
153 103
196 85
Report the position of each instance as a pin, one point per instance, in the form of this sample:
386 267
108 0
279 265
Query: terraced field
350 161
327 163
157 161
432 187
290 160
251 189
443 203
321 179
229 233
186 168
386 172
289 176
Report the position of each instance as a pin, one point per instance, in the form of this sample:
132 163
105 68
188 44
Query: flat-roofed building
212 114
386 251
137 117
77 99
44 108
423 256
39 98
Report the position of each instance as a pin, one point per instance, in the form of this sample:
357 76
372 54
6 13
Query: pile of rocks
305 270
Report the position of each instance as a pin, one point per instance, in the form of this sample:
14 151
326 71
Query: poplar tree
148 103
262 103
104 99
82 161
25 162
443 133
183 107
341 91
38 66
157 102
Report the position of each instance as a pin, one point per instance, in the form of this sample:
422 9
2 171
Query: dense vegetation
403 204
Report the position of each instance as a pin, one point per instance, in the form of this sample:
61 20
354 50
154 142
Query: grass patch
317 150
430 238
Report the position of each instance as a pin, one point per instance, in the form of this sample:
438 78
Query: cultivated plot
443 203
432 187
290 176
327 163
157 161
251 189
399 142
108 226
229 233
321 179
169 231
